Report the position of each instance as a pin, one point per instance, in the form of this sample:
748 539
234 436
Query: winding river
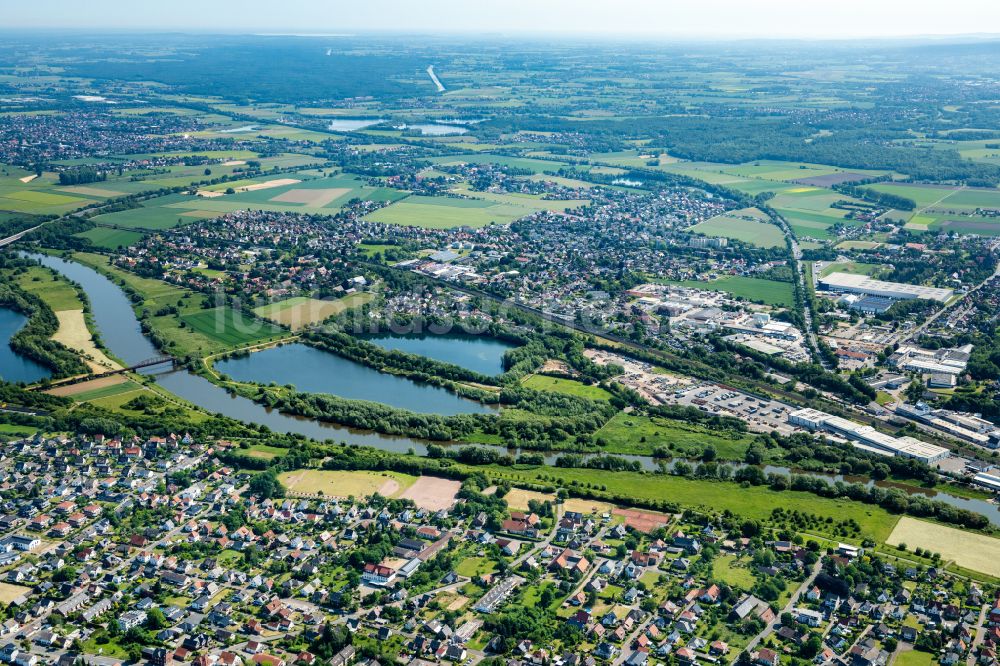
120 330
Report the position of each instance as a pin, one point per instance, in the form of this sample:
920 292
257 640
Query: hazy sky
689 18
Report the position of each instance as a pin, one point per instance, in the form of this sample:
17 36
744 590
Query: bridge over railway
148 363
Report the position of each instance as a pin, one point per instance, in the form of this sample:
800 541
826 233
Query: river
119 328
122 335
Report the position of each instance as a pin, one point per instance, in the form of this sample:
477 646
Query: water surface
477 353
316 371
14 367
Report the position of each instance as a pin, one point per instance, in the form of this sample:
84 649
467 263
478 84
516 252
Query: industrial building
862 284
867 438
989 481
965 426
932 361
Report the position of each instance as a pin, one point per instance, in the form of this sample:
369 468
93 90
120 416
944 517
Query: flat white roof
865 284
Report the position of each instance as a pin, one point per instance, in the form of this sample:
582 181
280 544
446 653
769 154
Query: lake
13 366
435 129
479 354
316 371
353 124
119 329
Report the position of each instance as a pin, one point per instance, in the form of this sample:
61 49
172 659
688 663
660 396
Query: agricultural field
446 213
297 193
154 215
22 192
970 550
432 493
567 386
194 328
948 208
74 333
747 225
534 165
229 327
110 239
300 311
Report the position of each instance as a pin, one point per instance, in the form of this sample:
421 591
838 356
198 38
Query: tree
266 485
156 620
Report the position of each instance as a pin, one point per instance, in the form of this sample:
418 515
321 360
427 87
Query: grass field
639 435
726 570
914 658
265 452
64 300
967 549
769 292
107 391
333 483
567 386
301 311
470 567
744 225
517 498
849 267
194 329
446 213
110 239
755 502
229 327
55 290
9 592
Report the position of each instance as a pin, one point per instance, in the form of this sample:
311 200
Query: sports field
300 311
966 549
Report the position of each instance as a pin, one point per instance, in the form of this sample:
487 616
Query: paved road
435 79
978 638
788 607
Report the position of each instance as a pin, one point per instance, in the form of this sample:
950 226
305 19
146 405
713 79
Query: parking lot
759 414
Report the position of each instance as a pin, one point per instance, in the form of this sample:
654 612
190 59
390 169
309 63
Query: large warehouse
862 284
866 437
